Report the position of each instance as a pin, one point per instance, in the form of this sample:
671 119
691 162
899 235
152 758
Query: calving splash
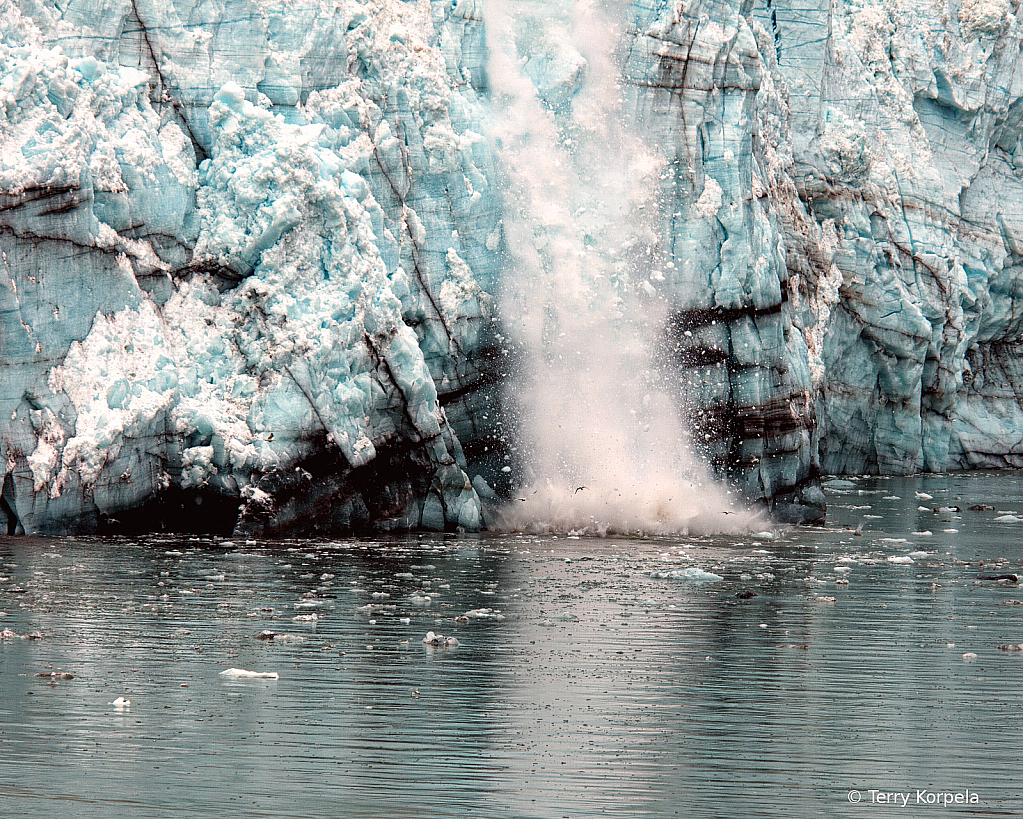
603 447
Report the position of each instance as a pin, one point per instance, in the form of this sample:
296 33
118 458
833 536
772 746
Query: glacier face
247 256
251 252
848 225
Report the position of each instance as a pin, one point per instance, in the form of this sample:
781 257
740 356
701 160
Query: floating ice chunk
243 674
484 614
839 483
686 574
121 703
306 618
1007 518
765 535
969 656
924 496
900 559
420 600
923 533
918 554
923 509
432 639
842 569
280 638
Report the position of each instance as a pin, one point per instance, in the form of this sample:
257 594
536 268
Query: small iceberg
432 639
900 559
121 702
242 674
686 574
484 614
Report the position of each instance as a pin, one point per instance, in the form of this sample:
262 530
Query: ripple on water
583 684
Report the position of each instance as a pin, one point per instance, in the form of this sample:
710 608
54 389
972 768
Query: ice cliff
252 251
247 255
847 223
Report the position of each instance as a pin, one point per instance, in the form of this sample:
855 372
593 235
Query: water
599 691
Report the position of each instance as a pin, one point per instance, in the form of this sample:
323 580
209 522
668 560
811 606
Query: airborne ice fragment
242 674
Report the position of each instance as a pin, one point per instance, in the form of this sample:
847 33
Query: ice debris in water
900 559
484 614
243 674
685 574
278 637
432 639
1007 518
121 702
8 634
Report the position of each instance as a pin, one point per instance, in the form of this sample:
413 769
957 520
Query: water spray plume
603 446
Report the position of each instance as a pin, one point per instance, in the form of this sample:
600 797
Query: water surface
582 686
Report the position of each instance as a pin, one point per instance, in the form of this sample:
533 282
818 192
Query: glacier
248 253
253 255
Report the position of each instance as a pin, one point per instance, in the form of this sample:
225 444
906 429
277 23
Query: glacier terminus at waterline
254 255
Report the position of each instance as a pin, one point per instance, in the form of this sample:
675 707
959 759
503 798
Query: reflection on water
582 685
